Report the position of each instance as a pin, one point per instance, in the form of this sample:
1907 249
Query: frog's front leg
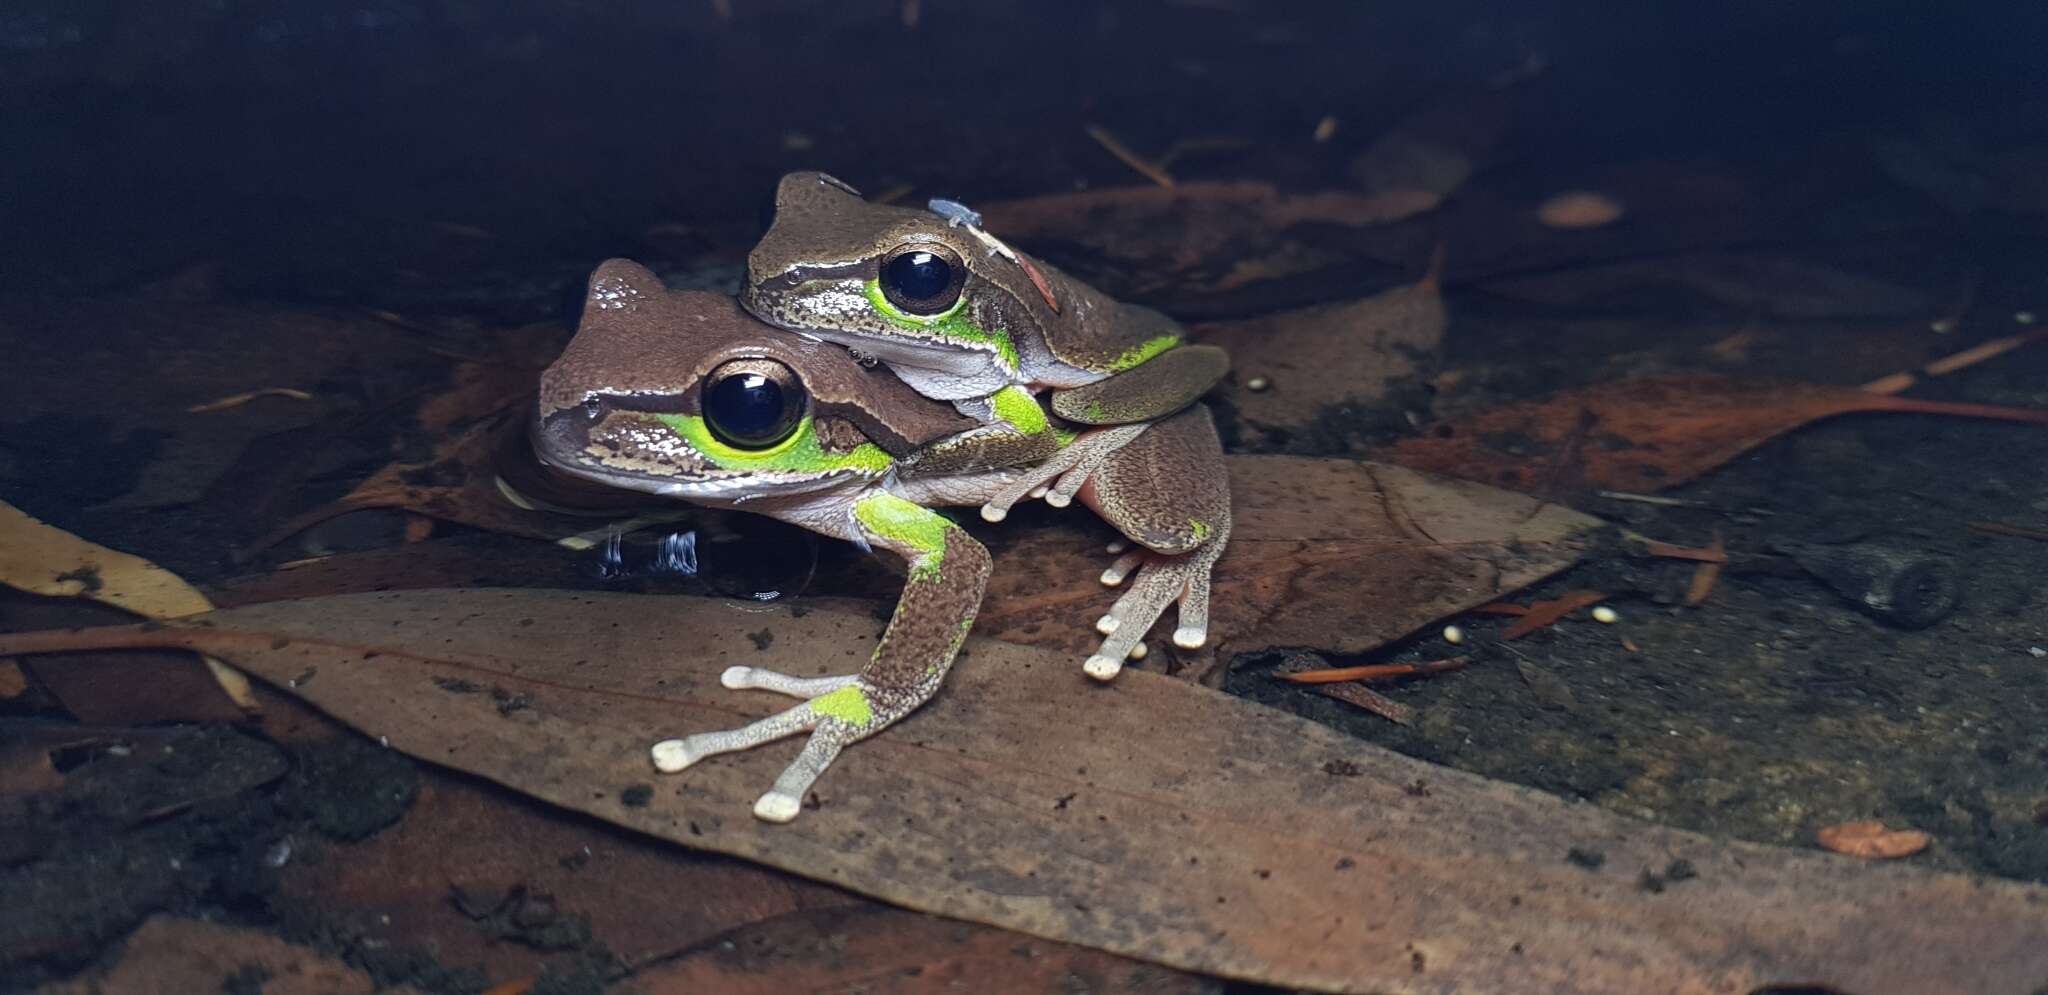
1017 433
948 573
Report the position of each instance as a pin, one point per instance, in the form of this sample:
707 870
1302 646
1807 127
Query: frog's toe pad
1189 637
675 755
994 513
1106 625
778 807
1102 668
737 678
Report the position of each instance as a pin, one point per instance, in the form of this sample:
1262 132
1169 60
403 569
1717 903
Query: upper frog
959 315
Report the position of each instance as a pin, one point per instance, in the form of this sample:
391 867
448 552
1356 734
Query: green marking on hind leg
1201 529
848 704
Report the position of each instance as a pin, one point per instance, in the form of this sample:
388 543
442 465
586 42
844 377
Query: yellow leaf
42 559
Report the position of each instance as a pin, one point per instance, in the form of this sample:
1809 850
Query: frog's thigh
1167 489
1160 386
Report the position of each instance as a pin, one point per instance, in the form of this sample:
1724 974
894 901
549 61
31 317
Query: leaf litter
1013 800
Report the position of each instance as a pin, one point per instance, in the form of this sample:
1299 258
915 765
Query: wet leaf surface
1643 435
1149 817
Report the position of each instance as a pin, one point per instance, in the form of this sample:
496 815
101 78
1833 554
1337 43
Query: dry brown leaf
1338 555
1337 359
42 559
1148 817
1646 434
1870 840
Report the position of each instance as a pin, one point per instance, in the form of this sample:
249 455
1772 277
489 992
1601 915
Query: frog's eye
922 278
753 403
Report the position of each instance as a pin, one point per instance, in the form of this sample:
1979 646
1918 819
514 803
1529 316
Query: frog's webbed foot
836 712
1162 579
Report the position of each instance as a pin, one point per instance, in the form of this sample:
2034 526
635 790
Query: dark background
413 153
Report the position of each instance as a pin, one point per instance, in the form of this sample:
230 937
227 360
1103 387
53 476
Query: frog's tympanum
681 394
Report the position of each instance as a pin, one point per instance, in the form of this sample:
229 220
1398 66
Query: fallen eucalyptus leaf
42 559
1148 817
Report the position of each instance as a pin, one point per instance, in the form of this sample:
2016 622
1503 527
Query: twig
1710 554
1375 672
1998 529
1949 364
1128 157
1544 613
237 400
1667 502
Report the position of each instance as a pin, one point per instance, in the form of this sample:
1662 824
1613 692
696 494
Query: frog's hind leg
1168 490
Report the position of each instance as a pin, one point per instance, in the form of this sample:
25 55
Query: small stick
1128 157
1710 554
2015 531
1544 613
237 400
1949 364
1377 671
1668 502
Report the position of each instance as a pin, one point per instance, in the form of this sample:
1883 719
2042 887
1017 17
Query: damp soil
387 194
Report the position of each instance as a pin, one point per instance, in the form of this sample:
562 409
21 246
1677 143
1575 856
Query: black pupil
918 275
749 410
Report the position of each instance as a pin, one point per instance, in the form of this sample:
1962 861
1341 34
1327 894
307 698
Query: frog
683 395
961 316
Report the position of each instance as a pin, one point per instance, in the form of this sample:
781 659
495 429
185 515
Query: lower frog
681 394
